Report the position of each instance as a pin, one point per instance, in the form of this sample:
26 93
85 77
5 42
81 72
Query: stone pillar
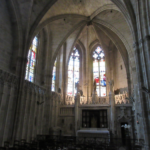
53 111
26 115
22 112
31 115
47 114
35 114
3 110
77 103
39 114
56 110
87 66
1 90
42 113
10 115
112 103
65 78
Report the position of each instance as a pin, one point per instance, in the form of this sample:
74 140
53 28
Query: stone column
42 113
87 66
22 112
31 115
26 115
46 114
3 110
77 103
10 115
1 90
112 103
39 114
35 114
53 111
56 110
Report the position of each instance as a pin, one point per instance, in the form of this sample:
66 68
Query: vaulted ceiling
70 20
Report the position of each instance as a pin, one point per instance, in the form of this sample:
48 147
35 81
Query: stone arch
103 8
120 46
17 35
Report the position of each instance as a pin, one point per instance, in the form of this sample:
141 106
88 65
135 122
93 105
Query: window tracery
73 72
30 67
54 76
99 72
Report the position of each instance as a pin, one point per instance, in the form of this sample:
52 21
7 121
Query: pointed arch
73 72
99 71
30 67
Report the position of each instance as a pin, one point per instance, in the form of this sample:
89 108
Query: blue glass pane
31 60
99 71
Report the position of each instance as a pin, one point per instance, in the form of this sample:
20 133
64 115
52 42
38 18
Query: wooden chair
6 144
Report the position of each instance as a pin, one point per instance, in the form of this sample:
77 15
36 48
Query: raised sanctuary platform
93 132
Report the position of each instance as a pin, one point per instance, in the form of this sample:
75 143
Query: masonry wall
6 41
120 77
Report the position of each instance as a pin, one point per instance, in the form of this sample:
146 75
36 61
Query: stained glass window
30 67
73 72
99 72
54 76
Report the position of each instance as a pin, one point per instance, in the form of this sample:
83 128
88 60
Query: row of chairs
61 143
20 145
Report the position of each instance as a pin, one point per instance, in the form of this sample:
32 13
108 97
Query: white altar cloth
93 132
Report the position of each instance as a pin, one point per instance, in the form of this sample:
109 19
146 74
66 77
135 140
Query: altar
93 132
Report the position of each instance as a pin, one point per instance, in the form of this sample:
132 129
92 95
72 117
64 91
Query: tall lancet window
54 76
99 72
30 67
73 72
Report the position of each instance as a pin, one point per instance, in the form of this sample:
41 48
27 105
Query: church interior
75 68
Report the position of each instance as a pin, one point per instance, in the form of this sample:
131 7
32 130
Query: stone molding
8 78
98 100
123 114
35 88
122 99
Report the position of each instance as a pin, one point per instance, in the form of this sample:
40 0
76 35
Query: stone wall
6 39
8 104
120 78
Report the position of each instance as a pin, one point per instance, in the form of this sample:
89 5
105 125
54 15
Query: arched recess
114 30
80 26
38 19
103 8
82 50
81 47
92 47
82 70
44 57
48 21
17 35
129 15
119 45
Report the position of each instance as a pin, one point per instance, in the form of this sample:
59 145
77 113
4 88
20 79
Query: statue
94 86
59 90
77 86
